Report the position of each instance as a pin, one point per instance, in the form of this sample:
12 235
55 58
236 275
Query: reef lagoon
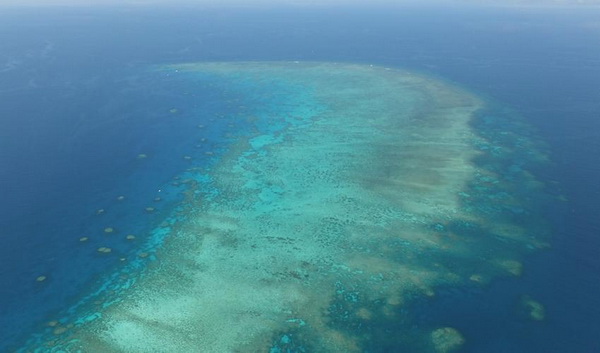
248 204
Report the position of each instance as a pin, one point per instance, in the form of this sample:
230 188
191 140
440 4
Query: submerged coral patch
535 310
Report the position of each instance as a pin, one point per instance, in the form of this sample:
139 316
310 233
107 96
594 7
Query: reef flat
357 191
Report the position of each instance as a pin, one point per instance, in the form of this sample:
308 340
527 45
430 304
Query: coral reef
447 339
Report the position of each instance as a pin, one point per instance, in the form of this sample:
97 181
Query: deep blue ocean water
79 102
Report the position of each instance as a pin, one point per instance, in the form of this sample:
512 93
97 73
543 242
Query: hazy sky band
246 3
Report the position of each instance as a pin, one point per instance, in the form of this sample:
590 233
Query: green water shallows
330 217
